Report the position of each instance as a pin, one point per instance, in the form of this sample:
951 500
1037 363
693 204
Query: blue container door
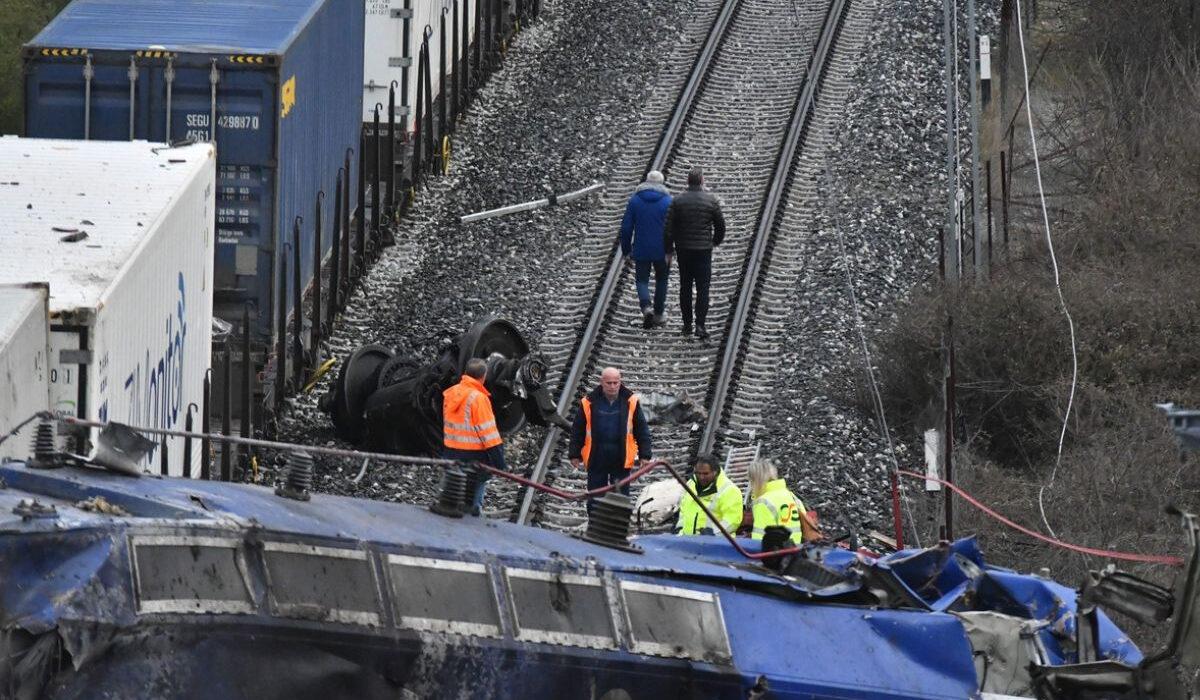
59 100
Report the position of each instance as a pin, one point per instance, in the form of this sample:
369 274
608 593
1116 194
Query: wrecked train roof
193 588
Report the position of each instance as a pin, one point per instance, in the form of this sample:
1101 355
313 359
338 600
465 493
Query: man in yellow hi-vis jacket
720 495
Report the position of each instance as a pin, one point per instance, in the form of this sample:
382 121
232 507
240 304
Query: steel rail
725 371
603 300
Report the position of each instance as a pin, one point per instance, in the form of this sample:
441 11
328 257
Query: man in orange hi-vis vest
469 430
610 433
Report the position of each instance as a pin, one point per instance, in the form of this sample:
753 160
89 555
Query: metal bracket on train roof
74 357
401 13
399 62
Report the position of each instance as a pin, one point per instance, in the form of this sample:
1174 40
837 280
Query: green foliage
20 21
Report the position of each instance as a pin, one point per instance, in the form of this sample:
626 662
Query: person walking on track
695 225
642 240
610 433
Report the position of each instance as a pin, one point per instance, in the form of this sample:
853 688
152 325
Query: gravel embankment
552 119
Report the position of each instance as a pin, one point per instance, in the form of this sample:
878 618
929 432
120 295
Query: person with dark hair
469 430
642 240
720 495
695 225
610 433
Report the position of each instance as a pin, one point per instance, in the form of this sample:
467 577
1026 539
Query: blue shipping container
281 80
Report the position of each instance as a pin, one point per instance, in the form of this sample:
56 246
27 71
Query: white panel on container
385 46
985 57
24 344
122 232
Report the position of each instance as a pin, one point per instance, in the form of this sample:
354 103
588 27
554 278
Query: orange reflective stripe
630 443
471 425
586 406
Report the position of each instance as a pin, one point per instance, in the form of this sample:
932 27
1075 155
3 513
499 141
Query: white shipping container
384 51
24 378
122 231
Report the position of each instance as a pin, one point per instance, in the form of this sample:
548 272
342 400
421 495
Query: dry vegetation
1118 102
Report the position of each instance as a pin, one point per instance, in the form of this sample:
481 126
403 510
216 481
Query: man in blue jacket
642 239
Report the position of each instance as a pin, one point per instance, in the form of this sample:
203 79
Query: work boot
687 329
701 331
647 318
659 321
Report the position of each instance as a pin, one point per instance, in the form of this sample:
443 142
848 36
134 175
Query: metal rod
407 53
953 261
227 415
536 204
169 78
455 61
346 228
247 422
188 424
442 73
982 263
375 184
988 192
389 202
164 460
335 249
133 76
281 328
429 135
360 215
1004 195
206 427
89 72
214 77
418 143
897 521
314 338
479 41
948 454
297 307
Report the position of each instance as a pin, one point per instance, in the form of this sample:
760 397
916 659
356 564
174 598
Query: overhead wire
1054 262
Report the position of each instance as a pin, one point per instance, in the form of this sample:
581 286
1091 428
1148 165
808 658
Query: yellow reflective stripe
770 506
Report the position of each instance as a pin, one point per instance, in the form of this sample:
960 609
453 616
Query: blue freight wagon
278 83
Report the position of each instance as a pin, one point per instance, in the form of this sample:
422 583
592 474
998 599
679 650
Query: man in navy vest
610 433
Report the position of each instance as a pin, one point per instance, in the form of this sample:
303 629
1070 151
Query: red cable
1151 558
568 496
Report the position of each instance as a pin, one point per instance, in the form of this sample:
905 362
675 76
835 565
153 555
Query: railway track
756 112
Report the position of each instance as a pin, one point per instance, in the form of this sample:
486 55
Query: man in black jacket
695 225
610 434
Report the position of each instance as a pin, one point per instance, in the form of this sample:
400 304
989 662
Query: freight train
284 89
123 586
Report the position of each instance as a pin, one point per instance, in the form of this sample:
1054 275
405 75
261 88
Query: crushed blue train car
120 586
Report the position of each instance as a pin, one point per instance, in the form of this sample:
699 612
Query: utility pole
953 235
982 262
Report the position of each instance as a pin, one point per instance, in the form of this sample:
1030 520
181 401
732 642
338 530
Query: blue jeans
641 278
477 500
599 477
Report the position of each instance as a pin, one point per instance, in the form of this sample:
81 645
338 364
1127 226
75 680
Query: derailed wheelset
393 403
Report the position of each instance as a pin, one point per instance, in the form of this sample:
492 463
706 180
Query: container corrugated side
24 375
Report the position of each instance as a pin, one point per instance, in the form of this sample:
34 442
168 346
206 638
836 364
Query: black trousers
695 267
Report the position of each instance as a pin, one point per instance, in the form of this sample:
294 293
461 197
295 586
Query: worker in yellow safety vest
469 430
773 503
609 434
720 495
